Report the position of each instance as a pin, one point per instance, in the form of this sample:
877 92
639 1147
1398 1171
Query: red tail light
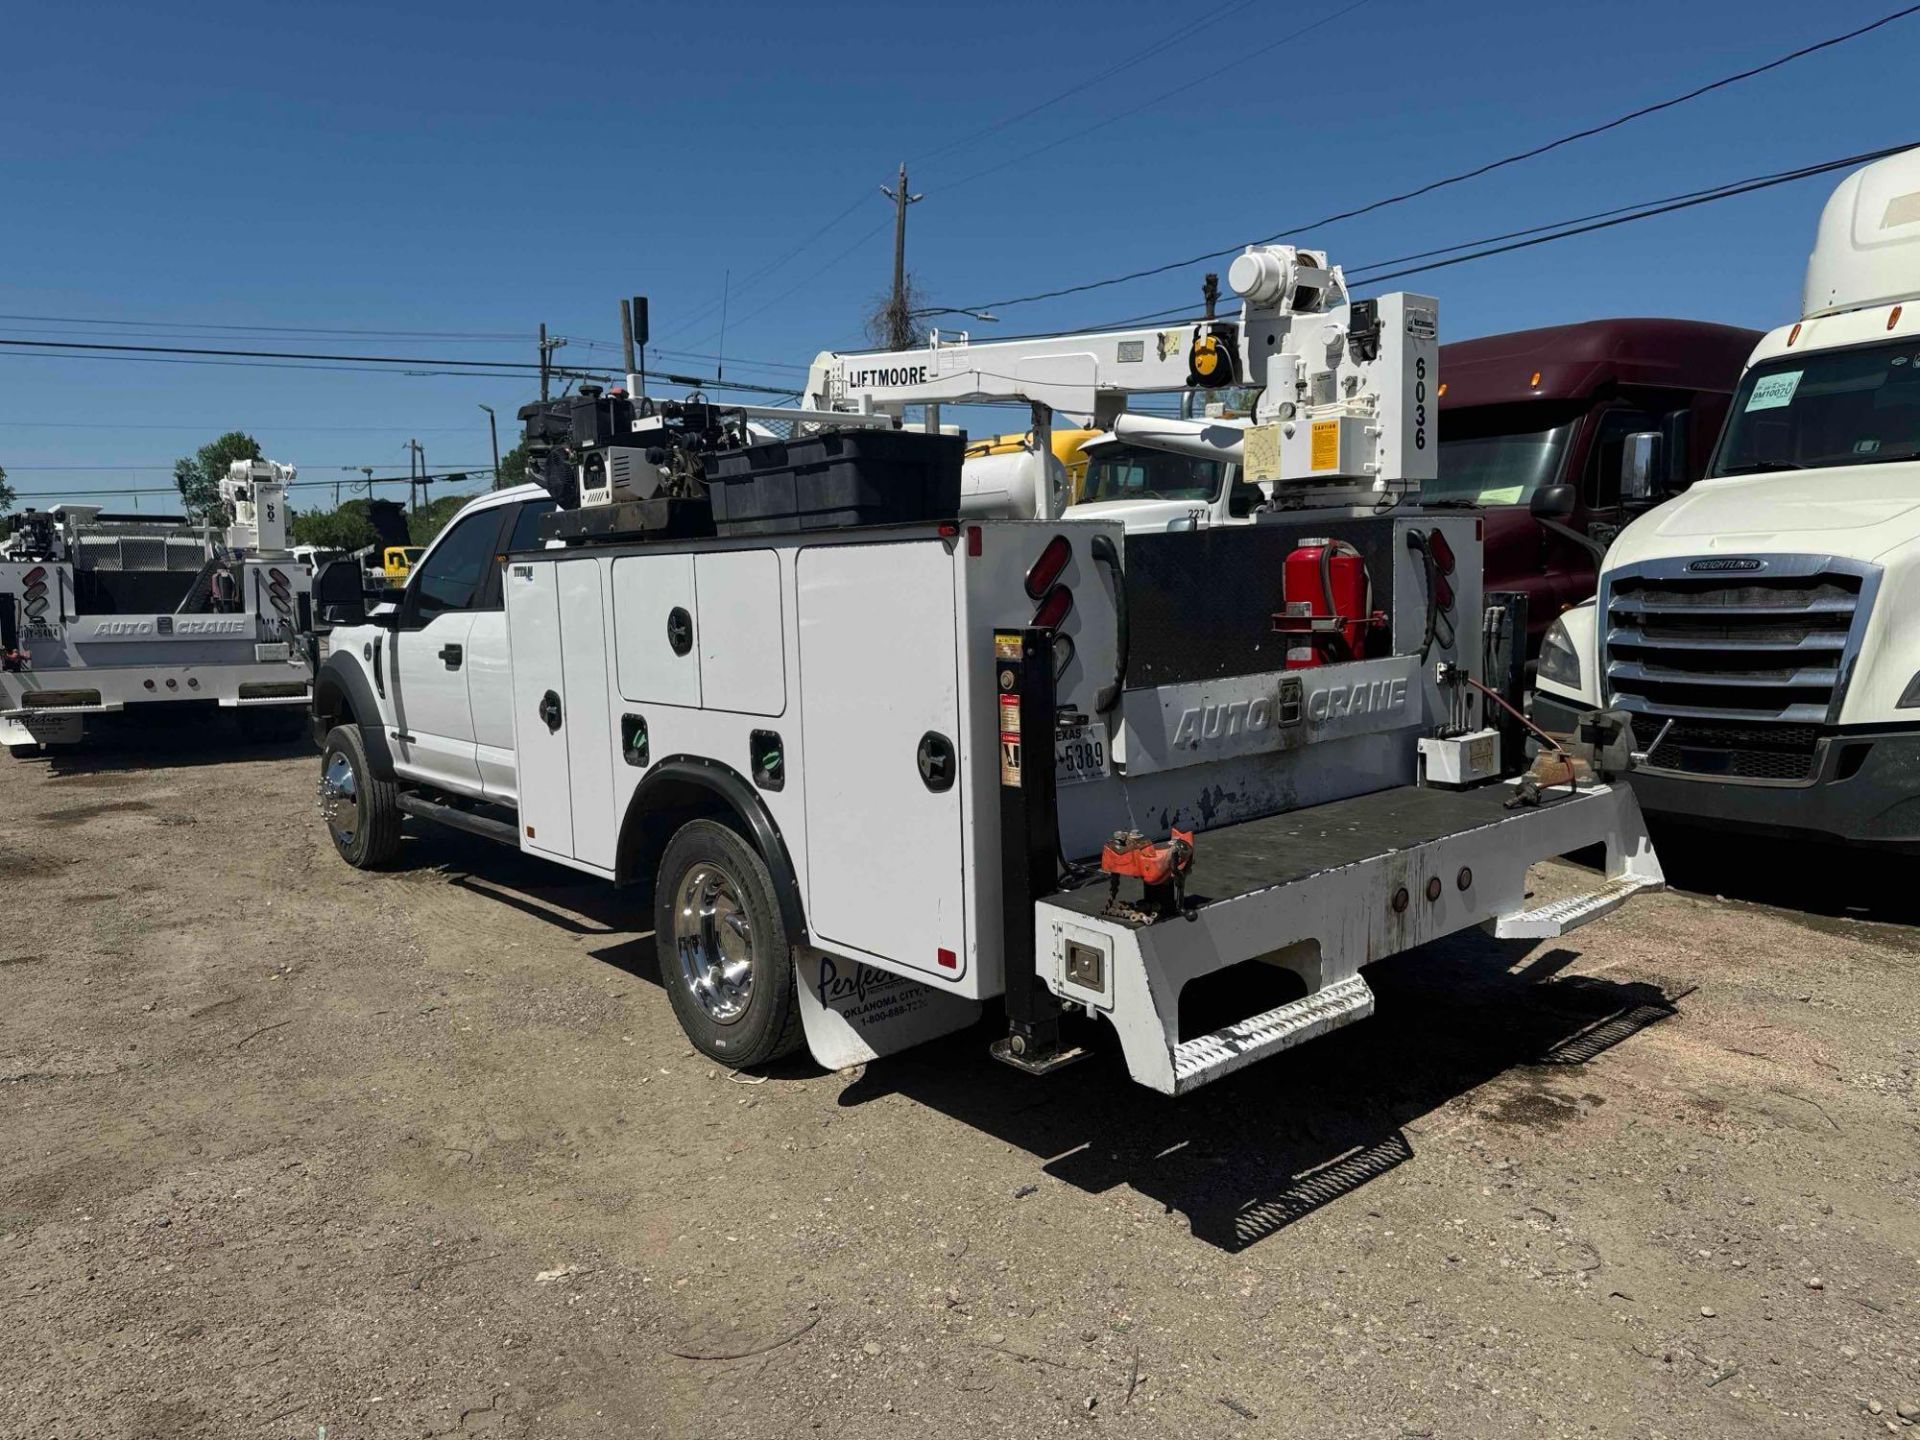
1443 593
973 541
1049 567
1054 609
1442 551
35 575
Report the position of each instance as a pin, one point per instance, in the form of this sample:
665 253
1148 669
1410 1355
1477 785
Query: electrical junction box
1460 760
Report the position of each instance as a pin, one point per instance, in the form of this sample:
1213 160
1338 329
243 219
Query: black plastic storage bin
840 478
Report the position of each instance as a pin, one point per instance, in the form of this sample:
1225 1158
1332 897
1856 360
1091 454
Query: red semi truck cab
1531 410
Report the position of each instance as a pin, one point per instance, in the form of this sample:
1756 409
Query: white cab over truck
874 774
1758 627
104 614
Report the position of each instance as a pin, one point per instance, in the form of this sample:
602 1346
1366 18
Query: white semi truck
107 615
874 764
1758 628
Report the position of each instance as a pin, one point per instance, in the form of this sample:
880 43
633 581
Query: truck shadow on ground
1247 1156
175 744
1817 879
1251 1154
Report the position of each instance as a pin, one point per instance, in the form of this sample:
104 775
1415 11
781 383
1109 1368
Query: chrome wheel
340 798
713 937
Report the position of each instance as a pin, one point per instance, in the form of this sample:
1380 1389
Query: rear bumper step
1323 892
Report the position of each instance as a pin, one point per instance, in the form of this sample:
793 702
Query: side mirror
1552 502
1640 465
338 595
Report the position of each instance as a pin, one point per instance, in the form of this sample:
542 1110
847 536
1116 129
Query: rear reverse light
1054 609
1442 551
1049 567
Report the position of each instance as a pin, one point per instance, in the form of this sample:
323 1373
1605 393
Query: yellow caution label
1326 445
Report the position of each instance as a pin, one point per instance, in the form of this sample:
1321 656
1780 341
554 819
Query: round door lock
679 630
935 761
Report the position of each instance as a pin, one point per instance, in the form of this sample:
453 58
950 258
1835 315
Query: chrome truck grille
1747 657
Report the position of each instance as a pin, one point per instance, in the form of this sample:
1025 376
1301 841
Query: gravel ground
288 1150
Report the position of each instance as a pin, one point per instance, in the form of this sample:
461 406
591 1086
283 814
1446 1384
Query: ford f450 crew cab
1758 628
876 770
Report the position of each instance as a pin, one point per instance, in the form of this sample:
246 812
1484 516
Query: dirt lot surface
287 1150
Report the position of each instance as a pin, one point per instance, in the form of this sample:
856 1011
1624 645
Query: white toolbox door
587 722
742 642
877 673
540 753
653 615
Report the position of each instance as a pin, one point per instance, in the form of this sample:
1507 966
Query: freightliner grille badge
1731 563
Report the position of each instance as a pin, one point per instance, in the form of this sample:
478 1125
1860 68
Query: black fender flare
666 787
340 686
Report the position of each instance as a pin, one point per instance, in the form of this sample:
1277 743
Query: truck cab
431 663
1756 628
1534 427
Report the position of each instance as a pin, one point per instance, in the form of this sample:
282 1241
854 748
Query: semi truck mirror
1552 502
339 597
1640 470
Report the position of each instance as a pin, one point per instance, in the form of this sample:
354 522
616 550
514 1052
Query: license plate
1081 754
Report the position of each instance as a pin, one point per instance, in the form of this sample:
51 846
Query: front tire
725 956
361 807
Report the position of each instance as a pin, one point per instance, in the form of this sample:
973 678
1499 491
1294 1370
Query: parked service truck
873 764
109 615
1758 628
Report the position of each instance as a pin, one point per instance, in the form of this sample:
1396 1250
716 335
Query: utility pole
493 430
547 347
416 452
899 333
367 470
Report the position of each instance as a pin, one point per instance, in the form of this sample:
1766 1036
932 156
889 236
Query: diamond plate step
1562 917
1208 1057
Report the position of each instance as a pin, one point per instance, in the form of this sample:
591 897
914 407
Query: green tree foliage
513 468
6 493
343 529
430 519
198 476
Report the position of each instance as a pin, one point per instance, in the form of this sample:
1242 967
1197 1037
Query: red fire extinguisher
1327 604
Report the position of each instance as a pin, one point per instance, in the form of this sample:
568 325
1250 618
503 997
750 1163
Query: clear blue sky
482 167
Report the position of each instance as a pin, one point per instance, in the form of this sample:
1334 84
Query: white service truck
104 615
1757 627
873 776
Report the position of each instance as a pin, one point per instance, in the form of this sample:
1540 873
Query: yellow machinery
1066 449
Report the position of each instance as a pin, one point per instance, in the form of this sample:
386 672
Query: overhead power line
1139 57
1608 219
1462 176
1185 88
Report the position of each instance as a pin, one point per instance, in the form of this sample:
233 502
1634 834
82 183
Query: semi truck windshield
1129 474
1498 454
1833 407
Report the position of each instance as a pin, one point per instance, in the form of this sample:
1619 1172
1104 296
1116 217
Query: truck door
489 678
434 720
880 717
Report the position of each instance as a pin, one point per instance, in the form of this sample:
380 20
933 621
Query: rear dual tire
725 956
